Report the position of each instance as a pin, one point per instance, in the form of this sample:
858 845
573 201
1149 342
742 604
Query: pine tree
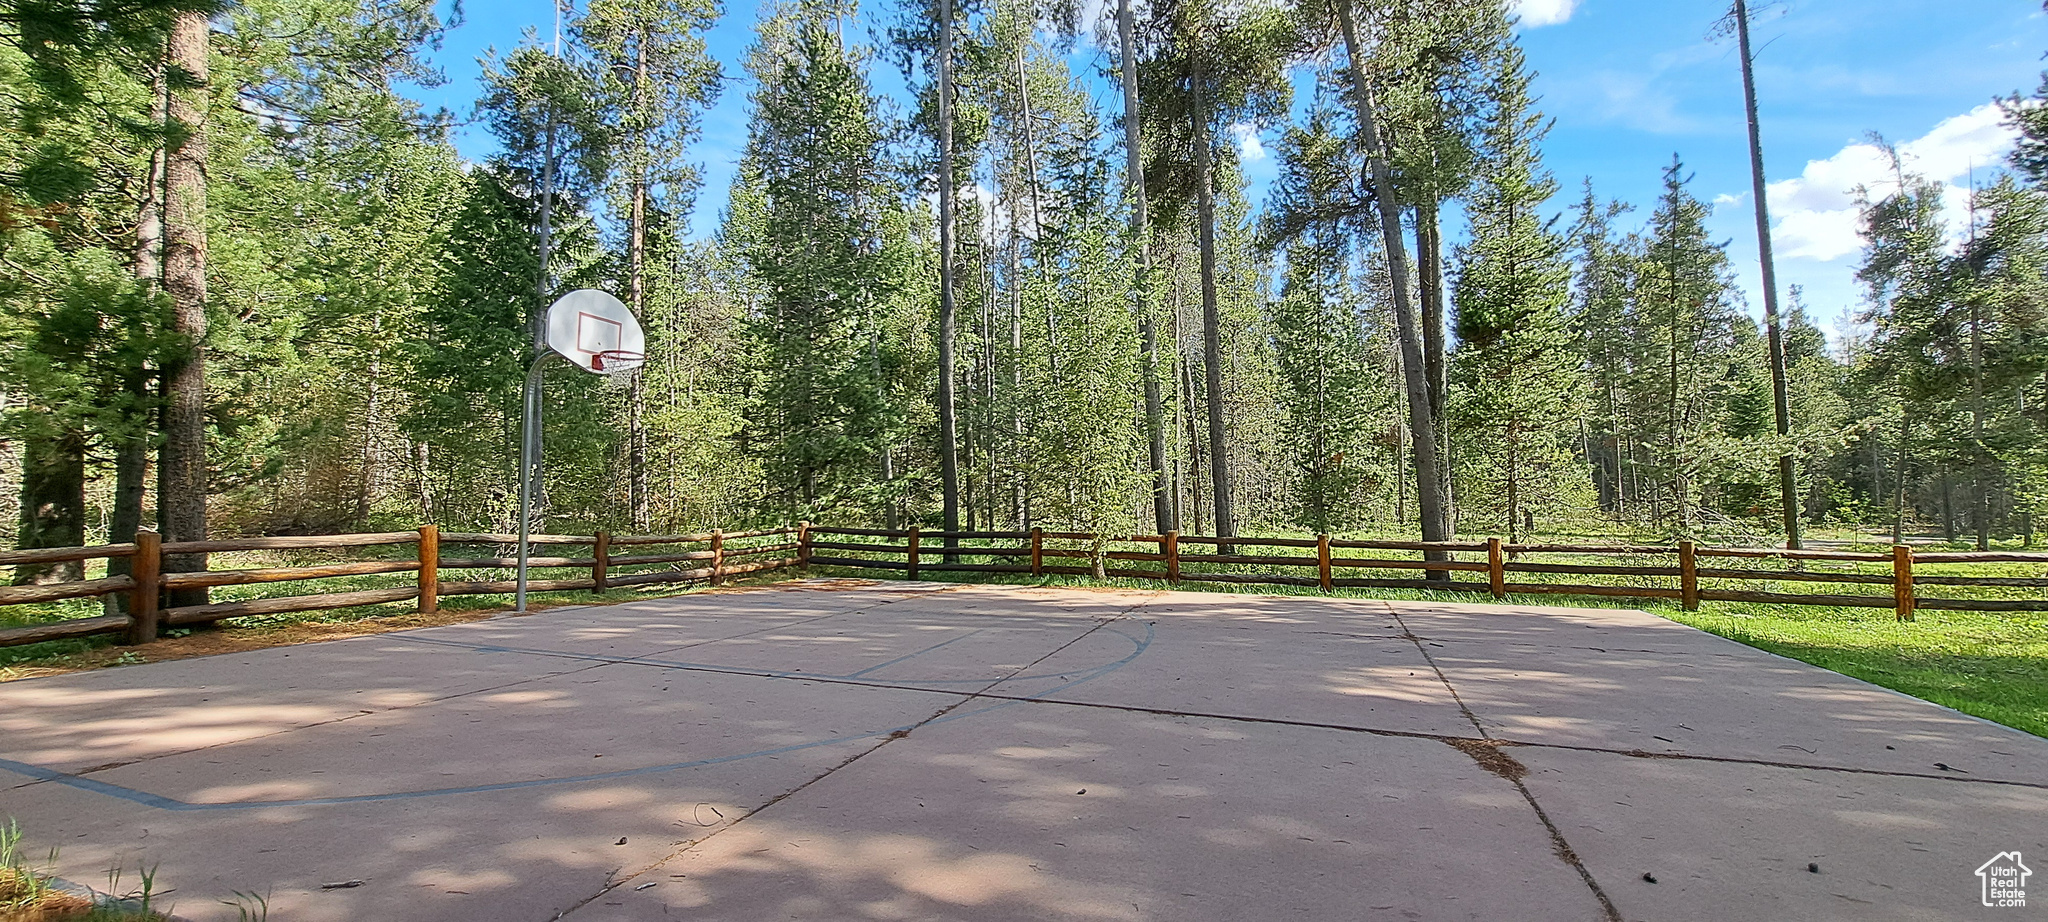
659 76
1320 343
1682 307
820 231
1515 366
1738 19
1599 314
1907 279
471 348
1214 66
1429 465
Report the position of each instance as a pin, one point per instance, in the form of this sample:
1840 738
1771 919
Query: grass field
1990 665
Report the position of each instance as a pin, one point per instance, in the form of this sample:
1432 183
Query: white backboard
586 322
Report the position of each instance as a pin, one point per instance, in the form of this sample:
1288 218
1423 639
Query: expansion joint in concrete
1489 756
614 880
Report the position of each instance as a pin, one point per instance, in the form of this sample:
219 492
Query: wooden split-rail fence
1687 572
615 561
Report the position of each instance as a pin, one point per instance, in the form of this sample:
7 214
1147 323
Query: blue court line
160 802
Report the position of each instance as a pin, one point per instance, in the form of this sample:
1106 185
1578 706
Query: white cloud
1537 13
1249 148
1637 100
1816 216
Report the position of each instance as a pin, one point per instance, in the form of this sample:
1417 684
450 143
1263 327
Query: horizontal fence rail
1686 572
447 564
655 559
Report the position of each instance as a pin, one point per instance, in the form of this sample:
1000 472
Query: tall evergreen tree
822 233
1215 65
1738 19
1682 302
1906 280
660 77
1599 314
1515 364
1321 347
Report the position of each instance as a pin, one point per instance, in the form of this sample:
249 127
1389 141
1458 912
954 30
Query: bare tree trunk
131 472
1163 514
131 448
537 324
1981 506
1678 486
373 411
1421 414
1429 259
1514 494
640 497
1400 476
1430 288
181 463
1021 489
1948 509
1788 476
1212 322
1899 476
425 484
949 463
1192 399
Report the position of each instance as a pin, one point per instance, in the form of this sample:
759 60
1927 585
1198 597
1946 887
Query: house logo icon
2005 880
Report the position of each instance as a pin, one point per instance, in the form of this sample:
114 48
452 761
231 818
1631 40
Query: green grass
1990 665
25 891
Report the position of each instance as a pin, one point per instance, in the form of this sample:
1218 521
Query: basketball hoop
616 361
596 333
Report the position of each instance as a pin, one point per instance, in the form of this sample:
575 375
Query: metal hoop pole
529 454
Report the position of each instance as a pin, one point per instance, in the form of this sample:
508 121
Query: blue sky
1629 83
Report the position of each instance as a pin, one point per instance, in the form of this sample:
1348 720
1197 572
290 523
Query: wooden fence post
1688 576
913 552
1902 581
1173 556
600 571
1323 561
717 555
803 544
430 569
1037 552
146 568
1496 569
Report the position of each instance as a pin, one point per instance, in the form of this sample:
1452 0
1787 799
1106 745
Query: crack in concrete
1453 739
1489 757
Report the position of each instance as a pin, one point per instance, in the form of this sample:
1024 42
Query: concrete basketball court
921 751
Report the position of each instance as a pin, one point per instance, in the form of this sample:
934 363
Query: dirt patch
1490 757
20 901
